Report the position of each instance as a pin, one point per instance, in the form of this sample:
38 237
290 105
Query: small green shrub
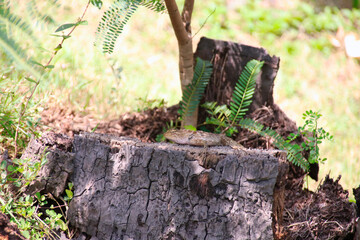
30 212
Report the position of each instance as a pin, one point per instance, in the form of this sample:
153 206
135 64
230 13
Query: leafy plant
242 95
195 91
10 99
17 114
146 104
244 90
314 136
113 21
220 117
293 151
15 131
115 18
227 120
29 212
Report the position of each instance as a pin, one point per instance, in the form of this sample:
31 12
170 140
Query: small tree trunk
182 28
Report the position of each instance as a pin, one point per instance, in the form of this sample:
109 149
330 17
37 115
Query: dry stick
37 82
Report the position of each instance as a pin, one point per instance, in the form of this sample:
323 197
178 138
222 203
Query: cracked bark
126 189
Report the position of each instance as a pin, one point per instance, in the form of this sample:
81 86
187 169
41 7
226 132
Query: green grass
313 74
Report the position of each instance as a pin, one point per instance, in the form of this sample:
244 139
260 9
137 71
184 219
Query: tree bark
229 59
126 189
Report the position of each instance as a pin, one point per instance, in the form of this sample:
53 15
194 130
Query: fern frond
112 23
250 124
115 18
154 5
293 151
18 55
294 154
10 22
195 90
244 90
39 15
217 111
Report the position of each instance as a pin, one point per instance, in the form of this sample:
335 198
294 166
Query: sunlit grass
313 75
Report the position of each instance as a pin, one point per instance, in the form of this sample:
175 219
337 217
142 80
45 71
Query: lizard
201 138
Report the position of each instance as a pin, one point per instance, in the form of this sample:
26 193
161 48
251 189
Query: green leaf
49 66
61 36
112 23
3 164
195 90
61 224
26 234
36 63
30 80
190 127
69 193
58 47
97 3
65 26
244 90
11 168
84 22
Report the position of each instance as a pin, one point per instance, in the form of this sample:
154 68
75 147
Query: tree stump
127 189
229 59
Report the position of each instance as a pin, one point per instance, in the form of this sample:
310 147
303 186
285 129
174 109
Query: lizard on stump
201 138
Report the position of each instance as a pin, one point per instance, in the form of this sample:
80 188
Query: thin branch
73 28
38 82
177 23
203 24
186 15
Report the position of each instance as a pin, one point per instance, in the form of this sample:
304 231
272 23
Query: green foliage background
313 73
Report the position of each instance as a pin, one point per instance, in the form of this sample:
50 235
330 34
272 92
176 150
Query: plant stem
38 82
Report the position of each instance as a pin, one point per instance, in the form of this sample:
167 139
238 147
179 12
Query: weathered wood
54 175
229 59
126 189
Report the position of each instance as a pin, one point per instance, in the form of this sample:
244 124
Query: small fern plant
227 120
244 90
242 95
195 90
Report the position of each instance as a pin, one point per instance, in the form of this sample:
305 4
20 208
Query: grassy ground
313 73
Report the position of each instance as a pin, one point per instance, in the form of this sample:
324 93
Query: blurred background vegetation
315 71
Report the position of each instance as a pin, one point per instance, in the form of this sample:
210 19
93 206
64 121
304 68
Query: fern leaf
11 23
18 55
293 151
195 90
154 5
39 14
244 90
115 18
112 23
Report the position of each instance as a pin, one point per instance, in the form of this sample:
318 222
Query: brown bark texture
229 59
126 189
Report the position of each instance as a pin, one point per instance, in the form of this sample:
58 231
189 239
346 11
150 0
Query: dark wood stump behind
229 59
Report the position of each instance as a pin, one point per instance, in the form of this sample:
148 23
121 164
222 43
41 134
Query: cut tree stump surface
126 189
